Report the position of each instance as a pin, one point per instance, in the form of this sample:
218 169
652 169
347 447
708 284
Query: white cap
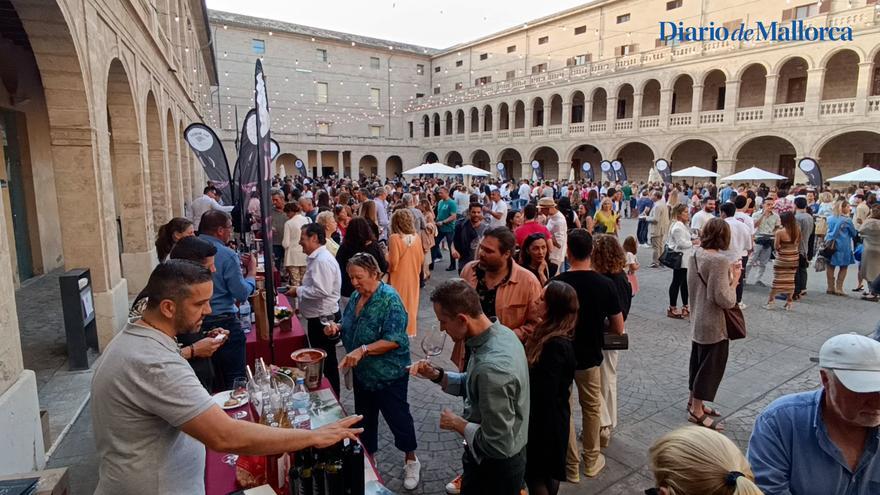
855 360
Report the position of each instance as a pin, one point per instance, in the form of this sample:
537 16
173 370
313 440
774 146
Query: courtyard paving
772 361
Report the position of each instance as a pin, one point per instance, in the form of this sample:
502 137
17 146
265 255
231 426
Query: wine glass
328 320
433 343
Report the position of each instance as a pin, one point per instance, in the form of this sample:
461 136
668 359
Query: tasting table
288 335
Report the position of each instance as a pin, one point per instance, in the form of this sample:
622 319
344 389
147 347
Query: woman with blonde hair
327 220
405 258
699 461
838 247
607 222
428 239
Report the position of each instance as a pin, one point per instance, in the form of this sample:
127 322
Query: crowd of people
545 284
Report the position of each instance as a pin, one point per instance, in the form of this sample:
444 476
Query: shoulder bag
670 258
734 320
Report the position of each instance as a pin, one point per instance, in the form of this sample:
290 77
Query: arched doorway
503 117
426 126
599 112
651 98
459 122
369 165
130 186
841 76
849 151
430 157
694 153
453 158
538 112
770 153
487 118
512 161
555 110
285 165
791 85
638 160
586 153
683 94
714 91
157 165
549 162
481 159
625 102
519 115
577 107
752 84
393 166
475 120
448 119
436 125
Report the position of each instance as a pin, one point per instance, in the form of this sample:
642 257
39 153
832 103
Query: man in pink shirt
530 225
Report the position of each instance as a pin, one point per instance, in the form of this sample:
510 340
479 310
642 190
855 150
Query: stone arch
769 152
481 159
537 112
453 158
638 158
512 160
519 115
577 107
459 121
585 153
368 165
487 118
176 180
555 117
599 109
157 166
185 172
752 85
856 50
714 90
436 119
426 126
430 157
393 166
847 150
682 94
447 118
687 152
548 158
841 74
785 60
650 98
739 143
791 84
286 163
625 100
503 116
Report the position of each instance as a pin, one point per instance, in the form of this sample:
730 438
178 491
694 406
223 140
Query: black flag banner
664 169
501 172
619 170
209 150
588 171
264 166
810 168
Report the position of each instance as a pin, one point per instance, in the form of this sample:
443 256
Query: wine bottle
334 484
353 469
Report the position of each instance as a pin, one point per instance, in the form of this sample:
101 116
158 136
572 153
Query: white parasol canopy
753 174
867 174
431 168
472 170
694 172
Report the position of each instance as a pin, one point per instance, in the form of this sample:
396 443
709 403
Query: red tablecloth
285 341
220 477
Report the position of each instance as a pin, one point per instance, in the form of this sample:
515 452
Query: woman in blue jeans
841 232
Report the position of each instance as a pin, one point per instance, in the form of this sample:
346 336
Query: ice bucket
310 361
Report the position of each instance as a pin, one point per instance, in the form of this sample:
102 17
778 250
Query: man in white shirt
740 244
558 230
461 197
496 210
294 257
701 217
741 215
319 295
206 202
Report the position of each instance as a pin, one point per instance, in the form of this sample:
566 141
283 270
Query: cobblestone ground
652 391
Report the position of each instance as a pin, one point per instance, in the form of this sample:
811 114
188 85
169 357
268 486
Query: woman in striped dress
786 245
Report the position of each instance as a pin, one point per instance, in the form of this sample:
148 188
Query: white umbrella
431 168
753 174
472 170
694 172
867 174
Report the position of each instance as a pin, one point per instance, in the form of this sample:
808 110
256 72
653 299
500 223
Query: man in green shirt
628 200
447 212
495 385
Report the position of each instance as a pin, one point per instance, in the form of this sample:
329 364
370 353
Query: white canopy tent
694 172
867 174
472 171
753 174
431 168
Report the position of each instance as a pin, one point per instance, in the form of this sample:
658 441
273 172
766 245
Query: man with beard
152 415
824 441
468 232
701 217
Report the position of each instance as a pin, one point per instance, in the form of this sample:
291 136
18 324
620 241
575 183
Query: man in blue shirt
824 441
229 286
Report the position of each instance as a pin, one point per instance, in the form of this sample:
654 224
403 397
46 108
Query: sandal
685 311
671 313
706 410
858 289
871 297
701 421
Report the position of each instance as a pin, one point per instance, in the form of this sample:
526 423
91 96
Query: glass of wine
328 320
433 343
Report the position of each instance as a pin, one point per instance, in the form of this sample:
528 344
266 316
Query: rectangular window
579 59
258 46
437 90
321 55
458 86
437 69
622 18
481 81
322 92
805 11
580 30
375 95
511 49
420 95
510 74
410 126
323 128
623 50
543 40
540 68
484 56
375 130
731 25
672 5
374 62
420 69
458 63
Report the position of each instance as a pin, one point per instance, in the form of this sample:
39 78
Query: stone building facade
594 83
94 99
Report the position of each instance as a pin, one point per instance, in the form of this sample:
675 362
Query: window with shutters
258 46
511 49
459 63
437 90
437 69
670 42
580 30
674 4
375 96
543 40
623 50
374 63
540 68
321 55
731 25
802 11
458 86
481 81
622 18
579 60
511 74
321 94
420 69
420 95
484 56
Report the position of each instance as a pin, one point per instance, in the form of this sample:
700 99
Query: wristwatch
440 375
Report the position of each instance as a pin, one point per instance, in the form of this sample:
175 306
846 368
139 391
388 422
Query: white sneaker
742 305
411 474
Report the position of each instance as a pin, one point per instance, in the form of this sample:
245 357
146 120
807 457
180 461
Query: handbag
614 342
829 249
734 320
670 258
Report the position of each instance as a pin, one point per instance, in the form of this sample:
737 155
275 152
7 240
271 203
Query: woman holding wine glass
373 331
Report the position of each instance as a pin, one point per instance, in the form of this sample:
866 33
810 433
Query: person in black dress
359 238
550 353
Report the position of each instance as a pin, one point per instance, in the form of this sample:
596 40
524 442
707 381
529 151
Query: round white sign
807 164
661 164
299 164
606 165
500 166
616 165
200 138
536 164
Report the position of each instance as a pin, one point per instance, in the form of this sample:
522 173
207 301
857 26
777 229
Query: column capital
866 63
816 70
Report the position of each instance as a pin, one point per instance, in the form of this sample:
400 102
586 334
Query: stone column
526 171
528 121
610 113
696 104
547 108
637 110
381 166
863 89
496 120
355 165
319 164
566 118
340 165
588 114
731 102
511 120
725 167
815 81
564 170
481 121
770 96
665 107
467 127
